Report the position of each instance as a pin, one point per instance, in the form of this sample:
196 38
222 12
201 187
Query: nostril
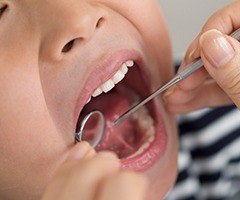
99 22
68 46
3 9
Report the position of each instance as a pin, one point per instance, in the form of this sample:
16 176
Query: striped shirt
209 155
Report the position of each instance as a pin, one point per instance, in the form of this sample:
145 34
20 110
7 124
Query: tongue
122 139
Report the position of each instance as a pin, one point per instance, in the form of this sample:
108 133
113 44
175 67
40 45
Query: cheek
152 27
147 18
29 141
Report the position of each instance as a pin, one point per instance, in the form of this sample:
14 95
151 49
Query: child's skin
40 82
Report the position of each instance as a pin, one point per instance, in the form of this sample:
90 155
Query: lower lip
154 152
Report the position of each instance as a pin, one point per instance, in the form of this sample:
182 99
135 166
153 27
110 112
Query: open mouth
140 140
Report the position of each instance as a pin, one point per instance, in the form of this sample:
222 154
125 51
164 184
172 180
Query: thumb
80 151
221 57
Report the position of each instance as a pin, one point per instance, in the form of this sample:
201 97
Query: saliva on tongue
124 139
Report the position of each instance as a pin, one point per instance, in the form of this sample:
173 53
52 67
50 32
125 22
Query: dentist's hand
90 176
219 82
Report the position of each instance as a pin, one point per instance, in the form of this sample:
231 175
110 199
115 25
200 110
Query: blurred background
185 19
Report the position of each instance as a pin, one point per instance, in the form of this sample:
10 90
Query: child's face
45 80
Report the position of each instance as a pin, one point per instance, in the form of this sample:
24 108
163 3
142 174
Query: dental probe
190 68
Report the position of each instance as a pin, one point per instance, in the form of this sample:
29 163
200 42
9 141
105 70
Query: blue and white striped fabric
209 158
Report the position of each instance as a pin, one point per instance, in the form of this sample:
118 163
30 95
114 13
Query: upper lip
107 67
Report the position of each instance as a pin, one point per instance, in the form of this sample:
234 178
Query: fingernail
216 48
169 92
81 150
193 54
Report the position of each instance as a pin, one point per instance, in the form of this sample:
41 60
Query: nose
71 26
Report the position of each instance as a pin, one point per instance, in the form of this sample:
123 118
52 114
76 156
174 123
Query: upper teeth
117 77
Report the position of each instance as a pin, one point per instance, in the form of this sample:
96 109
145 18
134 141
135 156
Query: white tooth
97 92
107 86
150 131
141 149
89 100
130 63
151 139
118 77
124 68
146 122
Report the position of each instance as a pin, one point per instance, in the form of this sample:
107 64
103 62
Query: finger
191 83
209 95
80 179
124 186
194 81
225 20
81 150
185 91
178 96
86 177
221 55
192 52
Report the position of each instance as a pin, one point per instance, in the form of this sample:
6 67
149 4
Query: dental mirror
91 128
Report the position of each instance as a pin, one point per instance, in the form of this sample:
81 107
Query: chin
146 142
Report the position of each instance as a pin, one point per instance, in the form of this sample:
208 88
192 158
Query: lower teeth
146 124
